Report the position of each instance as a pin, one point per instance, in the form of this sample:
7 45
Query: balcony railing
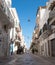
53 28
52 14
5 9
45 34
51 21
46 31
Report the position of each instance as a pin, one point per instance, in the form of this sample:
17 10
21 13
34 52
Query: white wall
41 23
15 16
16 22
4 41
44 15
8 2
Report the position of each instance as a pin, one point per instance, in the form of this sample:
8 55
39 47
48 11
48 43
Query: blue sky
27 9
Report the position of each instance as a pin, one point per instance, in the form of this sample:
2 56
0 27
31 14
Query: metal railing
45 31
52 14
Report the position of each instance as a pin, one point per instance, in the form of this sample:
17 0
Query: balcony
51 4
52 14
46 32
53 28
51 21
5 15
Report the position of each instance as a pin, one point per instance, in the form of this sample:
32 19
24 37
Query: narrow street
27 59
27 32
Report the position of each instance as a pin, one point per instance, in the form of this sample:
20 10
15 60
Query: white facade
9 2
16 23
13 31
6 23
42 17
47 37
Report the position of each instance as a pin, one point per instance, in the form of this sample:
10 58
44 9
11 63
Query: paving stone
28 59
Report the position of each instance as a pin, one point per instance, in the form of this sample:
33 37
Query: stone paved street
27 59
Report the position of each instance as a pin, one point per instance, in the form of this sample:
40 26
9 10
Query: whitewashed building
14 31
6 23
46 25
